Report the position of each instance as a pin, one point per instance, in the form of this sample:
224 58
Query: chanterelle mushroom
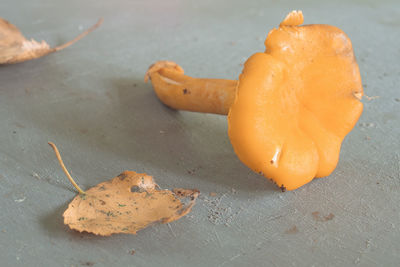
293 104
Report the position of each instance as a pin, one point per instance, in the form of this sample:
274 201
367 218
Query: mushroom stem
65 169
179 91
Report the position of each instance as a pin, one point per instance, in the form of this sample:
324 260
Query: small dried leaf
126 204
15 48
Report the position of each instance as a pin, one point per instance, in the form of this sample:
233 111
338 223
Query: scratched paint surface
91 101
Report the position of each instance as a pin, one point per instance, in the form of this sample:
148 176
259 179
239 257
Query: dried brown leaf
15 48
126 204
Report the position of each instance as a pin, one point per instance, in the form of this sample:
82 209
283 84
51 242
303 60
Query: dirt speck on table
87 263
219 212
292 230
319 218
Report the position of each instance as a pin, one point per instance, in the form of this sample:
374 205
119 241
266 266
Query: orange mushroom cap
296 102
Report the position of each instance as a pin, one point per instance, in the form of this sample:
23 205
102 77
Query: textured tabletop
90 99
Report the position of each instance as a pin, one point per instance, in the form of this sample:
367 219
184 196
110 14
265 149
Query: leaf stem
80 36
65 169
